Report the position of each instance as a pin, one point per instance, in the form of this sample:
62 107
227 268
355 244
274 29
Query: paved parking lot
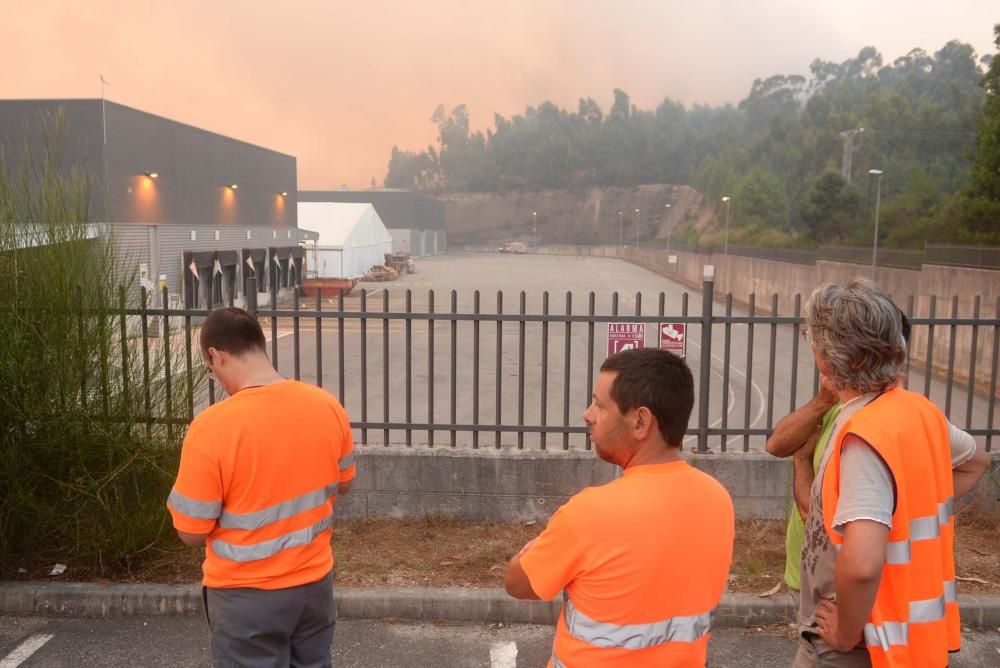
183 641
564 379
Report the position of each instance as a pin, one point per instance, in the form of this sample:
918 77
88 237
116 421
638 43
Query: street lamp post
667 207
637 228
877 173
725 243
621 219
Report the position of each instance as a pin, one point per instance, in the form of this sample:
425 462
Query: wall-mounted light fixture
153 175
232 186
284 193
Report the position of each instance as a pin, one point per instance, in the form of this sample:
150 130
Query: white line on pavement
27 648
503 655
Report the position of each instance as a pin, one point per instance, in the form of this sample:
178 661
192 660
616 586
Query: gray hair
857 331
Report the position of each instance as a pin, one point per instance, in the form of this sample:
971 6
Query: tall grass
83 472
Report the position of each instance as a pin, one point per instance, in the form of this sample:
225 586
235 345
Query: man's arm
516 581
802 474
192 539
858 573
965 476
792 430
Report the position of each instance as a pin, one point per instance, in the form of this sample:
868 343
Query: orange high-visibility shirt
259 474
644 561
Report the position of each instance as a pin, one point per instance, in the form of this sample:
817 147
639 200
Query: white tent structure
352 238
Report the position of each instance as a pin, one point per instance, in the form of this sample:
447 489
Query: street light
667 207
878 196
637 227
621 218
725 243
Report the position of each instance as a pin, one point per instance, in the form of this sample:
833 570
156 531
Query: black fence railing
477 371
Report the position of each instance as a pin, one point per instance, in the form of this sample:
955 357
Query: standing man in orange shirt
258 478
644 559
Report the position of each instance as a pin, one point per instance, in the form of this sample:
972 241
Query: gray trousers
258 628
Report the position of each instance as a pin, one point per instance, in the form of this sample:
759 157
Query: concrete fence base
517 485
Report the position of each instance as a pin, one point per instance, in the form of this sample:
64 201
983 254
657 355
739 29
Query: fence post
252 296
705 363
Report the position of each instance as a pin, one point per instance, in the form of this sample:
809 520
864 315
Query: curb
455 604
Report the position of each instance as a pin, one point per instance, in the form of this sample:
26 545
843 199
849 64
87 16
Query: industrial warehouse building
351 239
415 221
192 210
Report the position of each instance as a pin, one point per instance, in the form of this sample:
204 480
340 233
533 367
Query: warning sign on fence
625 336
673 337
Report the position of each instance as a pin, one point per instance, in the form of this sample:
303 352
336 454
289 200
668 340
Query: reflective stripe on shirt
198 510
269 548
279 511
637 636
346 462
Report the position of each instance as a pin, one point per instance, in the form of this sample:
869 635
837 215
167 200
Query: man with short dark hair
259 475
643 559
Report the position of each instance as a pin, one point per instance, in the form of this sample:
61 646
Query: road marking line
756 388
26 649
503 655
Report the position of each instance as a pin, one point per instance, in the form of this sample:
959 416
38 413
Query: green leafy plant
84 466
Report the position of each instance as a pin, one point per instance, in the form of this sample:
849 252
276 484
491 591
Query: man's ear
643 422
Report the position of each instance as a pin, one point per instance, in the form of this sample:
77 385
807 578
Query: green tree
830 209
83 473
985 169
761 195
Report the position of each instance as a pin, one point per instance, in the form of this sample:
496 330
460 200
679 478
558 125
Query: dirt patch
438 552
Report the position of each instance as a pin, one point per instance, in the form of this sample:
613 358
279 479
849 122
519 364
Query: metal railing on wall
979 257
481 372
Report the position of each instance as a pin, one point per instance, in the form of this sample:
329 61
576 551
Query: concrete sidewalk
82 599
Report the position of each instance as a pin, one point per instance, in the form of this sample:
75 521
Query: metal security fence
477 371
981 257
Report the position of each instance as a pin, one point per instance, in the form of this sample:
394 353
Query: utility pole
847 159
104 121
725 243
669 227
877 173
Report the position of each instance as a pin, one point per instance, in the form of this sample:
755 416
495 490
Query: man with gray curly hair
877 569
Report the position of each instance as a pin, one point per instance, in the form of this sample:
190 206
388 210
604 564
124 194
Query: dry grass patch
440 552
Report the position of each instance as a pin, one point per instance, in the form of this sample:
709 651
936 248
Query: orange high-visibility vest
914 621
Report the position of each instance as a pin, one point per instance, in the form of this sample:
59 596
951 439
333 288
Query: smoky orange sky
337 84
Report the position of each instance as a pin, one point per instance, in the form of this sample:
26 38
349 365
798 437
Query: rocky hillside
572 216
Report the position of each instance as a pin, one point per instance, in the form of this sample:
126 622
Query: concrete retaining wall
520 486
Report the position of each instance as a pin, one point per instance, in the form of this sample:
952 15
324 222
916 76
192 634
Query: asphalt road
763 383
183 641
